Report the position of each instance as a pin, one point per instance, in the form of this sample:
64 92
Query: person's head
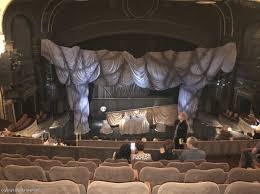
139 145
124 152
191 142
182 116
256 149
168 145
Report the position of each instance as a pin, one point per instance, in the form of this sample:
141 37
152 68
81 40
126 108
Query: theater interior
130 96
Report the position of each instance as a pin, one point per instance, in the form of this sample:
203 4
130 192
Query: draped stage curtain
76 68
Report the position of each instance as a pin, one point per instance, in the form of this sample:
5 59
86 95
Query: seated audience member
140 154
166 152
251 158
224 134
124 153
192 152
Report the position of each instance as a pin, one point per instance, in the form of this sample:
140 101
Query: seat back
96 160
158 176
114 164
33 158
196 162
100 187
4 155
64 160
114 174
91 166
243 188
141 164
47 164
166 162
18 173
79 175
241 174
57 187
16 161
211 165
182 166
213 175
116 160
135 161
188 188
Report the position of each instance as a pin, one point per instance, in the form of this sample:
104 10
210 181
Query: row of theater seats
149 172
7 159
153 176
100 187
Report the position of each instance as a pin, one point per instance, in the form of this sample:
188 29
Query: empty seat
182 166
166 162
114 174
33 158
213 175
189 188
64 160
141 164
99 187
243 188
211 165
91 166
158 176
79 175
16 161
115 161
96 160
57 187
47 164
114 164
18 173
196 162
241 174
4 155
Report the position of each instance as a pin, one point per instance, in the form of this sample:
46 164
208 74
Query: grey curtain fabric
155 70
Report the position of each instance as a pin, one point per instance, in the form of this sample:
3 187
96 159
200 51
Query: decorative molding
149 12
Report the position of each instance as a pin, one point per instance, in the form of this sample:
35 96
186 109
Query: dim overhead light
205 2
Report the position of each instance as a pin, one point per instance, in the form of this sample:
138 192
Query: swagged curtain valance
192 70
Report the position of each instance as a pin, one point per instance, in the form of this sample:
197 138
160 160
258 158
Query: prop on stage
138 121
191 70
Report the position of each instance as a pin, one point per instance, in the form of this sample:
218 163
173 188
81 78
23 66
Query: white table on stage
134 125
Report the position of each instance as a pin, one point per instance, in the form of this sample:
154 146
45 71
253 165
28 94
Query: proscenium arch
141 26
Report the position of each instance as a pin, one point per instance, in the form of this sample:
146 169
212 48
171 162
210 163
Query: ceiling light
205 2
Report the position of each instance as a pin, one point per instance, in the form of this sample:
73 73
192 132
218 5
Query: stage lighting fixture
103 109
